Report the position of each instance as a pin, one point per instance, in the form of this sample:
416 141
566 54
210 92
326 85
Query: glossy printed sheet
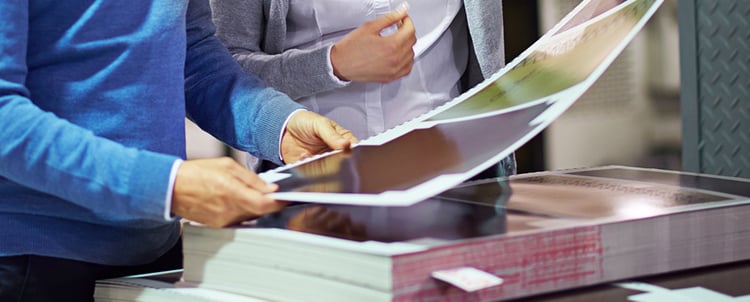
526 202
450 144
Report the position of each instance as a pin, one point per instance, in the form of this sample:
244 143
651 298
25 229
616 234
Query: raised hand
364 55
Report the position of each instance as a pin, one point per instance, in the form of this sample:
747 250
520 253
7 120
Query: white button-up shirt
370 108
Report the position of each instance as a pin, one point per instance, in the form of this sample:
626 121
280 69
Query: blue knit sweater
93 95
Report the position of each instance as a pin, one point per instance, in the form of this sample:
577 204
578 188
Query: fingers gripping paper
450 144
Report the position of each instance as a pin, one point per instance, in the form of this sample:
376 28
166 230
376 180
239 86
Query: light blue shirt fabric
93 96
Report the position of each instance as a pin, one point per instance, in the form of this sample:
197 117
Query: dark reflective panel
431 219
499 206
415 157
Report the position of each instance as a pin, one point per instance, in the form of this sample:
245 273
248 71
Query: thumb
389 19
331 134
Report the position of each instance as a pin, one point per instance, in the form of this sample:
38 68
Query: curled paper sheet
444 147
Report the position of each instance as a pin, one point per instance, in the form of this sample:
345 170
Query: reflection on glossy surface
507 205
576 197
433 219
600 193
324 221
413 158
719 184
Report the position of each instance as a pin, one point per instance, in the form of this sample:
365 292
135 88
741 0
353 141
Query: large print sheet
450 144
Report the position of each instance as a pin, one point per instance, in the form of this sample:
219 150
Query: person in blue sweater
93 96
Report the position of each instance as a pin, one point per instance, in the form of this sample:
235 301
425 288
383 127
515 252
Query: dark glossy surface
500 206
431 219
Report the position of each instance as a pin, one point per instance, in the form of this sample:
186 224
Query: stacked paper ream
528 264
539 253
679 241
591 255
680 225
531 263
279 284
271 248
293 257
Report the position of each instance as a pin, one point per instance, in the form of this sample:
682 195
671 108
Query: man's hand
309 133
220 192
364 55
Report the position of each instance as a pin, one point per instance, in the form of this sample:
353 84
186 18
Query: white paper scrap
468 278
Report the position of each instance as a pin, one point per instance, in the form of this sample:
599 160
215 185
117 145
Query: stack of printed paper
484 241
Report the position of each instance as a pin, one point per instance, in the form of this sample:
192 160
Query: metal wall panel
715 89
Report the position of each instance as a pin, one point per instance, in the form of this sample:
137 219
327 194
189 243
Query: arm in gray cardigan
254 32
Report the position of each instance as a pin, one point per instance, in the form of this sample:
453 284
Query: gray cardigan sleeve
485 20
254 32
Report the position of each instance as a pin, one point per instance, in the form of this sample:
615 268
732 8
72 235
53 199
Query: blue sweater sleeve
48 154
236 107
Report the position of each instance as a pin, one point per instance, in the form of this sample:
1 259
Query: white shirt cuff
329 66
283 129
172 177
